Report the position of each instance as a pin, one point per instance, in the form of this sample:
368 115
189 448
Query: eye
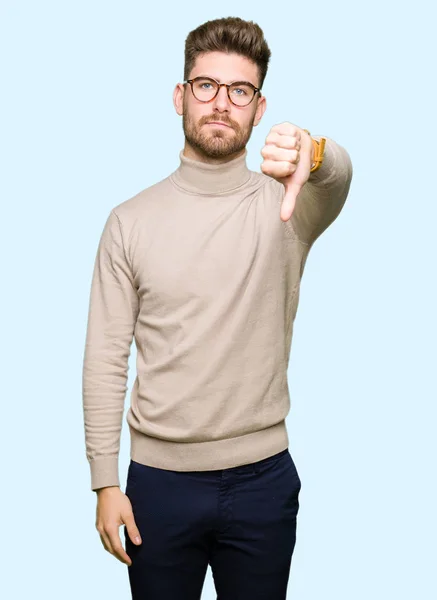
241 90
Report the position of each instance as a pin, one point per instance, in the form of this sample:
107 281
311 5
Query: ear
178 98
260 110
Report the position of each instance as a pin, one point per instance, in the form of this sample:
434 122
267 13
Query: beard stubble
216 142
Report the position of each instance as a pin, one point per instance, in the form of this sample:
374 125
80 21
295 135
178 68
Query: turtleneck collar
198 177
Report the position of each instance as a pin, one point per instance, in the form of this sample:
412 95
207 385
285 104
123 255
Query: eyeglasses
205 89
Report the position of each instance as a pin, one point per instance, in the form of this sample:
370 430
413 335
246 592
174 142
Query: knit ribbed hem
209 455
104 472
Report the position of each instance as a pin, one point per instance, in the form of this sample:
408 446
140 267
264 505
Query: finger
286 128
103 537
105 542
289 200
278 168
283 141
282 154
117 548
132 529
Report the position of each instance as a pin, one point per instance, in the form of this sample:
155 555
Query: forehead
225 67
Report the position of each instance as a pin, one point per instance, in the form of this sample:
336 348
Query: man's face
217 141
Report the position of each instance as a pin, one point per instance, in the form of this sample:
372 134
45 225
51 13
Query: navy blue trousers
241 521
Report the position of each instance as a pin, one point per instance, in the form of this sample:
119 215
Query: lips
218 123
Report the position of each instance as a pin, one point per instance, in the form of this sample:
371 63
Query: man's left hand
288 155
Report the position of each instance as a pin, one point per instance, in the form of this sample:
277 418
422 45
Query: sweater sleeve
324 194
113 311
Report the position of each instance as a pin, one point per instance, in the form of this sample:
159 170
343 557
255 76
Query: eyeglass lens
205 89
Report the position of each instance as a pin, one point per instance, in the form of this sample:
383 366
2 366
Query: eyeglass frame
227 86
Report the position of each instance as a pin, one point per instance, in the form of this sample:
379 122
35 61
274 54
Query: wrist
317 152
107 489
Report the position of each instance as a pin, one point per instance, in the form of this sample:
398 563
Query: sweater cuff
327 164
104 472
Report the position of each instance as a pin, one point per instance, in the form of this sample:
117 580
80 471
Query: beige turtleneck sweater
202 272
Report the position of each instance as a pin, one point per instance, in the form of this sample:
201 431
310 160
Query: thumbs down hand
288 155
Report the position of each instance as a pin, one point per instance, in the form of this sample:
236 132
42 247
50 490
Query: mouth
218 124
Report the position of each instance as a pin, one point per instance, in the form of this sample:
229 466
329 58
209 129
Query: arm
113 310
322 197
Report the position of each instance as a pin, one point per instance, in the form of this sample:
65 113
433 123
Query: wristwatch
319 151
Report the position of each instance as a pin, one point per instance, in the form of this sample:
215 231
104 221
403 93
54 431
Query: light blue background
84 129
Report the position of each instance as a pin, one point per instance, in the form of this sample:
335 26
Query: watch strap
319 151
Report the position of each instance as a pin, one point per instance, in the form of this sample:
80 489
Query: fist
288 155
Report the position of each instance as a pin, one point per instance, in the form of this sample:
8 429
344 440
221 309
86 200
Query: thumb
132 529
289 200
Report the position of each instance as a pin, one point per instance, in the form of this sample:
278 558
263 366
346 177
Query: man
203 269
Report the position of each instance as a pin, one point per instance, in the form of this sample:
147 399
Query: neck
201 176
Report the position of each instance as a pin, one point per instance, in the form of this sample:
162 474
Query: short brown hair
231 35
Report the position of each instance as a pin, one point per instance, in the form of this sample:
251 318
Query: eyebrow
234 81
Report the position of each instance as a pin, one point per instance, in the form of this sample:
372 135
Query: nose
221 101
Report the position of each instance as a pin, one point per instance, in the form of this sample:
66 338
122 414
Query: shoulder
135 206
